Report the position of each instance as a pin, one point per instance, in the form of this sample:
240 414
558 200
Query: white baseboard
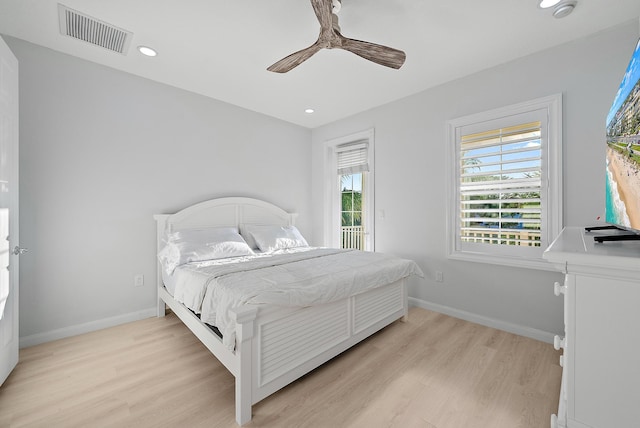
532 333
48 336
36 339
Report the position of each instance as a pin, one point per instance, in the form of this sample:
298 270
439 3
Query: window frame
551 196
333 190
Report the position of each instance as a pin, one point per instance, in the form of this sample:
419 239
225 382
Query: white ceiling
221 49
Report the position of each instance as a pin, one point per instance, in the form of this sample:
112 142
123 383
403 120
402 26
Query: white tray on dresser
601 347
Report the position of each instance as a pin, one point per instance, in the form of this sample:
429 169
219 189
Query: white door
350 203
8 211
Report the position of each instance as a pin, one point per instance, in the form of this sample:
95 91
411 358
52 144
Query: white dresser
601 346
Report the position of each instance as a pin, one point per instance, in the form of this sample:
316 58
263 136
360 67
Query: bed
268 342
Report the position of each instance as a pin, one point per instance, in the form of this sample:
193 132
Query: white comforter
301 277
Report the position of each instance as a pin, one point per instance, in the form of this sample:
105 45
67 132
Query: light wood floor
434 371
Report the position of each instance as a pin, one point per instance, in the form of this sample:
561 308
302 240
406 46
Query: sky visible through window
492 155
352 182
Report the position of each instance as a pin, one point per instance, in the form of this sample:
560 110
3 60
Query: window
505 183
352 231
350 196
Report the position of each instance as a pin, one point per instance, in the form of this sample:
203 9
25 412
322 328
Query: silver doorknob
17 250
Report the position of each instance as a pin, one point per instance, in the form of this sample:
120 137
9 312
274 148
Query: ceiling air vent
83 27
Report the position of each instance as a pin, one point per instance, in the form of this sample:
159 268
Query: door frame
332 201
9 332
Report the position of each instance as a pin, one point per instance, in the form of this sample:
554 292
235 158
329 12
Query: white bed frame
276 345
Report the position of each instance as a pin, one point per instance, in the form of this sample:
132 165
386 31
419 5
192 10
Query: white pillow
195 245
247 236
269 238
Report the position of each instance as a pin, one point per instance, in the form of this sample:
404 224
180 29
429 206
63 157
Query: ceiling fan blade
323 10
295 59
383 55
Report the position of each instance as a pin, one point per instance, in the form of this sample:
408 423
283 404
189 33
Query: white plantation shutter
505 183
500 186
353 158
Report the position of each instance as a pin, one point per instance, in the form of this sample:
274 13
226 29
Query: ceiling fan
331 38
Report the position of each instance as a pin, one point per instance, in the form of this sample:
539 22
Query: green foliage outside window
351 200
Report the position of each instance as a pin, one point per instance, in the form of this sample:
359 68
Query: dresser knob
558 342
559 289
561 360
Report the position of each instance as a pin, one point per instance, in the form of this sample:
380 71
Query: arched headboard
221 212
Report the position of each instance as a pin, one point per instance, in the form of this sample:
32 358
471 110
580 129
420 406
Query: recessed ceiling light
145 50
548 3
309 110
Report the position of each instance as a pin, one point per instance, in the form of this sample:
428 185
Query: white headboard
225 212
219 213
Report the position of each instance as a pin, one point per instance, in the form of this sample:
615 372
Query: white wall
101 152
410 141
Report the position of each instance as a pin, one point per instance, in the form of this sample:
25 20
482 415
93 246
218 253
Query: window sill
521 262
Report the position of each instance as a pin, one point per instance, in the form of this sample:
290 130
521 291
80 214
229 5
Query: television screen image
623 151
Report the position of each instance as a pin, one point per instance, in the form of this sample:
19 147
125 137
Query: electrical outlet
138 280
439 276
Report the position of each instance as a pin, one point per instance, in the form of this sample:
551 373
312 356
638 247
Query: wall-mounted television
623 153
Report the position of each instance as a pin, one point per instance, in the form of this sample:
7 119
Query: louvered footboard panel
371 307
292 341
